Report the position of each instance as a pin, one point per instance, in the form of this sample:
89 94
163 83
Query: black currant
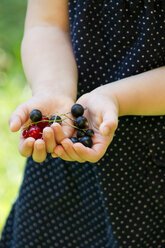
80 134
77 110
35 115
74 140
86 141
90 132
81 122
56 118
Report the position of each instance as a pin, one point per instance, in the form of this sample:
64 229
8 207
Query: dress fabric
118 202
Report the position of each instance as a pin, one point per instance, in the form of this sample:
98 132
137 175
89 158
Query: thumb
109 123
18 117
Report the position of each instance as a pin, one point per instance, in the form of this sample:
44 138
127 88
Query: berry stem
55 120
70 125
75 126
68 117
50 121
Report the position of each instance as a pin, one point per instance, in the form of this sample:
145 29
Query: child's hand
102 115
47 103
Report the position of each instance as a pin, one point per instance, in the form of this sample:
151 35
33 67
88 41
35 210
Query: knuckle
114 125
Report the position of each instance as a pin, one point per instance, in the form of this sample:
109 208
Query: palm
94 117
48 104
100 113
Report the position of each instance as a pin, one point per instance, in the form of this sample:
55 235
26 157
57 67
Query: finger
58 132
68 147
93 154
39 151
48 137
60 152
18 117
25 146
54 155
109 123
67 125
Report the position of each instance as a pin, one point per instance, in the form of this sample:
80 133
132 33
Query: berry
39 122
35 132
80 134
90 132
86 141
81 122
77 110
56 118
35 115
74 140
25 133
44 123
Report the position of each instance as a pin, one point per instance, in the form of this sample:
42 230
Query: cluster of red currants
39 122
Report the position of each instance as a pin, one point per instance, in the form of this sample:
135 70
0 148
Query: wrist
109 92
55 89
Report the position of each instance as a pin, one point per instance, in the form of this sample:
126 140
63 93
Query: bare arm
51 71
47 54
142 94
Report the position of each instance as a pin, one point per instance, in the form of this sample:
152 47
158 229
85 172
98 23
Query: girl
110 195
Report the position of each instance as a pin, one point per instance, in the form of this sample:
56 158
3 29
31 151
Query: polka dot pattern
116 39
118 202
59 205
132 177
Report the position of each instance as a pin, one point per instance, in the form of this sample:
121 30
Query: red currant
44 123
35 132
25 133
39 122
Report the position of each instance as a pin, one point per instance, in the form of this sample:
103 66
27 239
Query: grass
13 91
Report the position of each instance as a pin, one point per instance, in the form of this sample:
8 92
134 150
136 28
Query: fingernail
30 143
39 146
54 155
59 154
11 124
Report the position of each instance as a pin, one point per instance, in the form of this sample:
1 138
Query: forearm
48 61
142 94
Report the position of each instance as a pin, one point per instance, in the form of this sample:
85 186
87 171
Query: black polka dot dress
118 202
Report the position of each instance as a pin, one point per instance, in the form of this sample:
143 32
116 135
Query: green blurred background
13 91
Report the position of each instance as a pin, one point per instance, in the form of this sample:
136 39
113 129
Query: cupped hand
49 104
102 115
